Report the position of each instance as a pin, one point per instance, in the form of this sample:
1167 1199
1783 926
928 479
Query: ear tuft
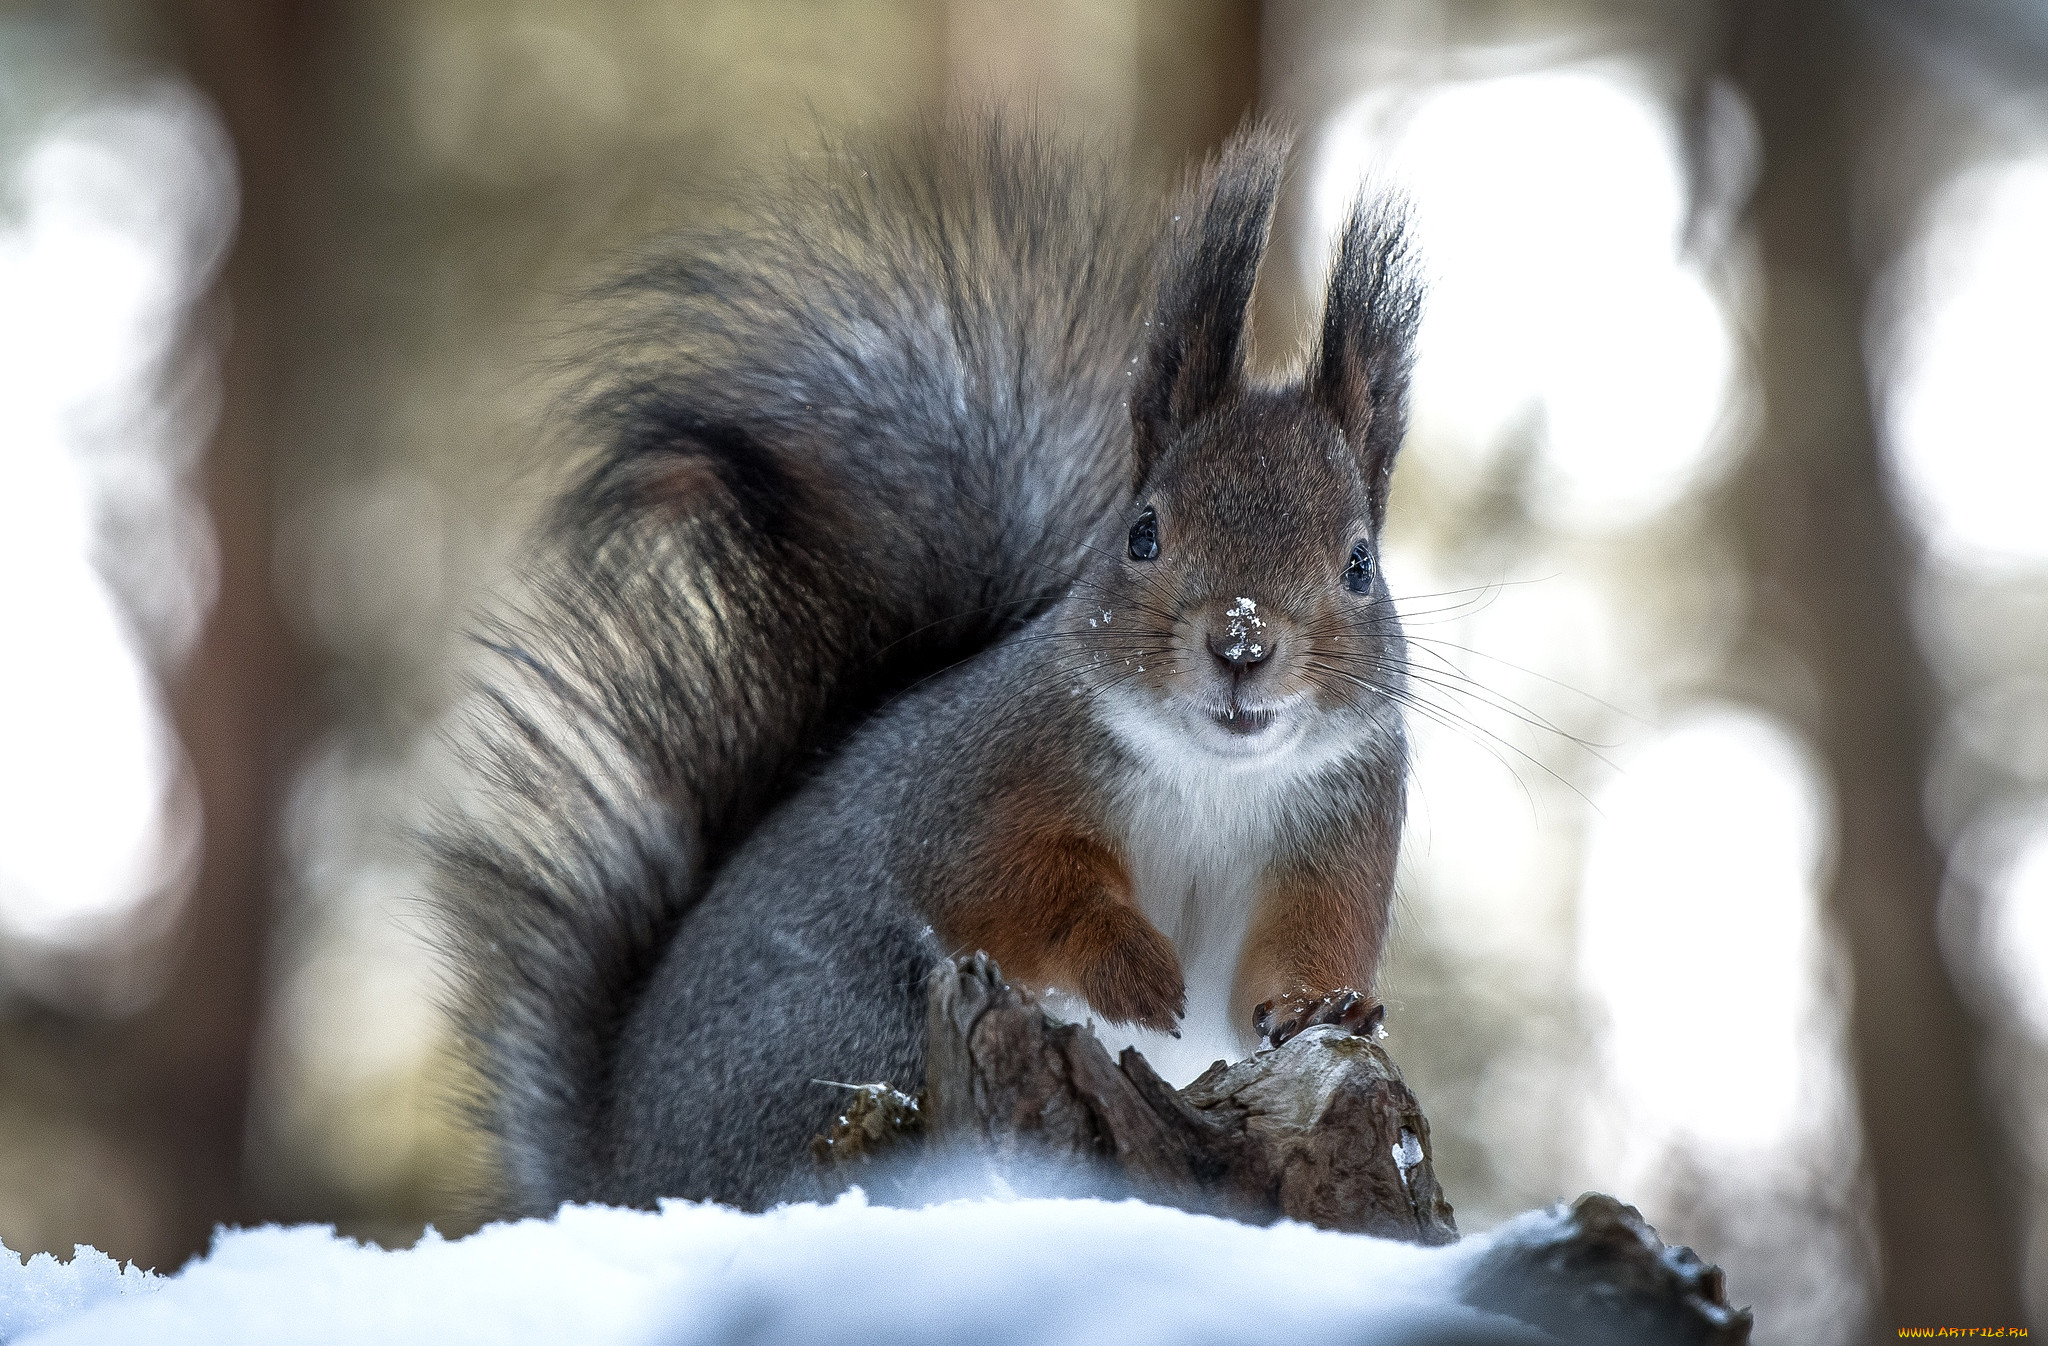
1197 348
1359 370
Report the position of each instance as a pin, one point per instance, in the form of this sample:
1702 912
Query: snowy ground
847 1274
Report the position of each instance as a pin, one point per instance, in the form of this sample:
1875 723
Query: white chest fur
1199 834
1197 861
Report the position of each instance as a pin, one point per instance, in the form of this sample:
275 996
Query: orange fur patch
1054 908
1315 930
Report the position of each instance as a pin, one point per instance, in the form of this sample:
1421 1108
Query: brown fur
1053 906
1315 935
1251 493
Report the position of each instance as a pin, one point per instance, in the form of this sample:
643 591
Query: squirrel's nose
1241 637
1241 649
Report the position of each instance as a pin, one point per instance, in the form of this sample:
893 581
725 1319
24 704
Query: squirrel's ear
1196 350
1358 371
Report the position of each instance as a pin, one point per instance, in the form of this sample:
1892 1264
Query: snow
1245 623
45 1291
993 1271
1408 1153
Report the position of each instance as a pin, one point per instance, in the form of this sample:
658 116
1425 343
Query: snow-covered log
1318 1133
1027 1272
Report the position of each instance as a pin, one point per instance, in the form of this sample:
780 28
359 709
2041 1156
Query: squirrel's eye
1358 575
1145 537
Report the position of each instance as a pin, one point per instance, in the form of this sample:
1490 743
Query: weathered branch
1597 1274
1322 1131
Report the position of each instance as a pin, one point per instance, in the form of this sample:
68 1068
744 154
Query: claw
1283 1018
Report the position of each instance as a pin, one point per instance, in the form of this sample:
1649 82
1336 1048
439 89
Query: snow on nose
1243 640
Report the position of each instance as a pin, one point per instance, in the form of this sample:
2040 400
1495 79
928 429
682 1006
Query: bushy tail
848 440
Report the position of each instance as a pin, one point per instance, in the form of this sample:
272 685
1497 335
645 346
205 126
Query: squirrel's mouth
1243 720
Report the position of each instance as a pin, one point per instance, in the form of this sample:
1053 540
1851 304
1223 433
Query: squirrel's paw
1133 976
1285 1016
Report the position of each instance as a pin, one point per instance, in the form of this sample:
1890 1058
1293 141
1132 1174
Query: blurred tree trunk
179 1074
1198 73
1167 78
1832 565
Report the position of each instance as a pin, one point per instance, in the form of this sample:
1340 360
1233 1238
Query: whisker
1508 706
1487 593
1529 672
1447 677
1450 718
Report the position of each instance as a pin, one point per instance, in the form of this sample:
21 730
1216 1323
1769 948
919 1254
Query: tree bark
1322 1130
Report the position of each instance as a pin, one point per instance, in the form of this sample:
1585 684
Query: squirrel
945 582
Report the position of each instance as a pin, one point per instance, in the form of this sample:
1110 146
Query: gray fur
827 603
847 441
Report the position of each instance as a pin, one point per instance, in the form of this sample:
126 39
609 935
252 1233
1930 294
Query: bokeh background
1720 533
